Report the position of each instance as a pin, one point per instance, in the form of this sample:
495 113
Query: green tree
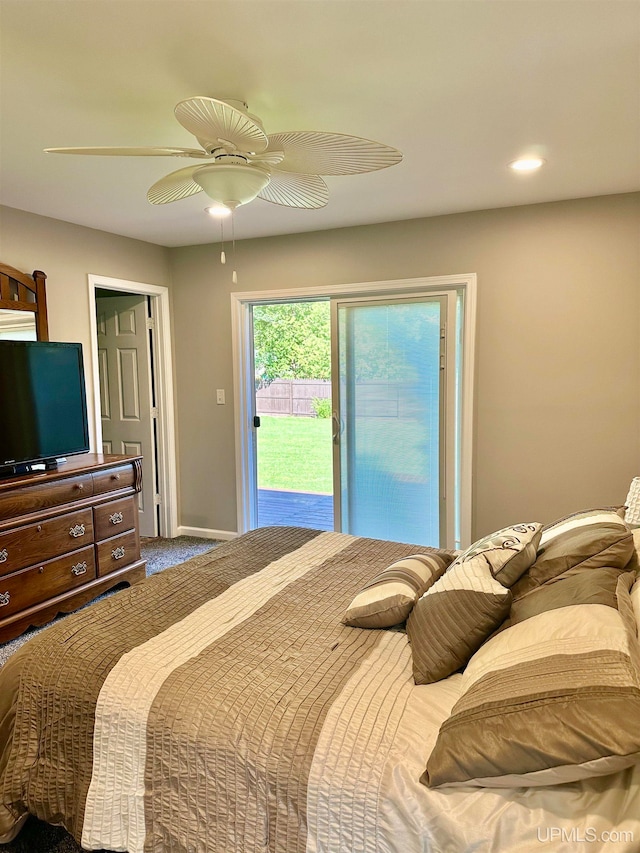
292 341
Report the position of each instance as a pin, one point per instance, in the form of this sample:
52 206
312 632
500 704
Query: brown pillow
589 539
452 619
554 698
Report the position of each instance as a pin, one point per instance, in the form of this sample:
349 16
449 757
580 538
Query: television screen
43 412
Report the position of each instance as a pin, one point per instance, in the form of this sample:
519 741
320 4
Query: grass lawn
295 454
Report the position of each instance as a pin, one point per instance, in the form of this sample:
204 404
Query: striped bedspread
191 711
222 706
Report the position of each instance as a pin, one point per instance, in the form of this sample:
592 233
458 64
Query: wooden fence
291 396
372 398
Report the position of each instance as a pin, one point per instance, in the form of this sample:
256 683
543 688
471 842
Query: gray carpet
39 837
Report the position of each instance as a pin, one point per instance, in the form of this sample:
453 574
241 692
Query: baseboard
205 532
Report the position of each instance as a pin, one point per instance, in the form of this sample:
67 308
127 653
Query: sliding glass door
396 452
389 359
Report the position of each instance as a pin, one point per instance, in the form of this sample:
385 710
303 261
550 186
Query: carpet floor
39 837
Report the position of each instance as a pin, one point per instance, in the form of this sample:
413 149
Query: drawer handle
76 531
118 553
116 518
79 486
5 598
4 555
79 569
115 476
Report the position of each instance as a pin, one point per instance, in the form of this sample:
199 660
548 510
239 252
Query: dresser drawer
37 542
114 518
117 552
121 477
27 587
43 495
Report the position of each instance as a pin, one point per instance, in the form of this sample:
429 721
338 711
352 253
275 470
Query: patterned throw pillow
388 598
555 697
452 619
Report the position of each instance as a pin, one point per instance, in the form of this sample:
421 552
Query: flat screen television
43 408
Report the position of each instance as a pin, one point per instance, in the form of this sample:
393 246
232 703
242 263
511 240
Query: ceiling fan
238 161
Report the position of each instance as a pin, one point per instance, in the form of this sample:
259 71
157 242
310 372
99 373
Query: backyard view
295 453
292 357
388 380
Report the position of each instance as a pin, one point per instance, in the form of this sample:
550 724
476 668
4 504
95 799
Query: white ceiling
462 87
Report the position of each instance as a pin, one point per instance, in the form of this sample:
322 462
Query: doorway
402 407
133 390
292 367
127 389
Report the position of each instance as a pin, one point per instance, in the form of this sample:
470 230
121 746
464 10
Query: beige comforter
221 706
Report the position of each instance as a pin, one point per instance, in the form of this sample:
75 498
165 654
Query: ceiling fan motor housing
231 183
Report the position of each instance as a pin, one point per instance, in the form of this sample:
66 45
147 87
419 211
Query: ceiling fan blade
132 152
331 153
295 190
215 122
271 158
176 185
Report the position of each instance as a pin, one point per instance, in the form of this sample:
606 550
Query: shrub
321 407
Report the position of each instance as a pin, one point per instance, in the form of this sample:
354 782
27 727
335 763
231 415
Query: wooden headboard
22 292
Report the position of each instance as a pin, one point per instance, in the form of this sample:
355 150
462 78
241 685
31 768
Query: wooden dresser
66 536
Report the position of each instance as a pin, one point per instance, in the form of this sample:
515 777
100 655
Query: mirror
17 326
23 305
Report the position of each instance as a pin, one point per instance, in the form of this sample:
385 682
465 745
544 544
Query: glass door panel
292 409
388 418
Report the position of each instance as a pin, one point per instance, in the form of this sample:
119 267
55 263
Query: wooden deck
300 509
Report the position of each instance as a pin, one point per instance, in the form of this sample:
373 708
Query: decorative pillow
388 598
635 589
634 562
635 602
589 539
455 616
555 697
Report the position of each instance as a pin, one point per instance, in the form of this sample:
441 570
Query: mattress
222 706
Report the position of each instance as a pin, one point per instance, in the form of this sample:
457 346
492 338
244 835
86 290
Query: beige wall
558 353
67 254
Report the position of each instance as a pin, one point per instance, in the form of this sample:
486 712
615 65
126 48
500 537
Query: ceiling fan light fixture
526 164
219 211
231 184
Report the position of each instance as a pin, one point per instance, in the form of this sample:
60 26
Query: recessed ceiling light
218 210
526 164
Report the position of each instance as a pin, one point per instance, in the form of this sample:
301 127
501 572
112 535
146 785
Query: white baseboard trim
205 532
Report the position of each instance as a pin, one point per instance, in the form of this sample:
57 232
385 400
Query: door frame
163 373
465 285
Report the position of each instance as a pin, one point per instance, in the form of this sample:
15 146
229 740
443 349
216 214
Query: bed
224 706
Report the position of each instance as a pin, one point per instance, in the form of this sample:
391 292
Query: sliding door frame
446 400
460 355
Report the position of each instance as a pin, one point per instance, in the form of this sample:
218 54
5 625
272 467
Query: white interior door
126 400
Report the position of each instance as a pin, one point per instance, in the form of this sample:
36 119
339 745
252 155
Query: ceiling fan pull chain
234 275
223 257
